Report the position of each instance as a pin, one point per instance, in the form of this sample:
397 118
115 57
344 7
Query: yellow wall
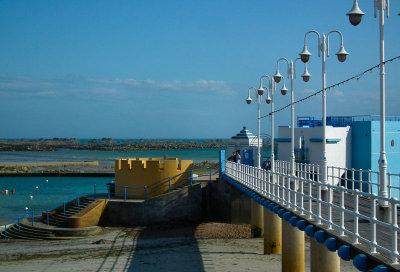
88 216
142 172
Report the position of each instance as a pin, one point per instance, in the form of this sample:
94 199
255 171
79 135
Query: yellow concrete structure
88 216
257 219
322 259
272 232
142 172
293 257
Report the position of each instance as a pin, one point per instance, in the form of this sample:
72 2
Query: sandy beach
188 248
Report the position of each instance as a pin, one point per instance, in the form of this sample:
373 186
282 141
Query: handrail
11 223
275 186
145 192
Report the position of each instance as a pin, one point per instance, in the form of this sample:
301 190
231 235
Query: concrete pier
322 259
272 232
257 219
293 257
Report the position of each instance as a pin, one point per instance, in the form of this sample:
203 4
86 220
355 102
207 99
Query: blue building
365 141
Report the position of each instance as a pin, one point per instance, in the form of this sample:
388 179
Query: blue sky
177 69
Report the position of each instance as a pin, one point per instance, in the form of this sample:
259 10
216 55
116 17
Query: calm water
58 189
47 194
106 157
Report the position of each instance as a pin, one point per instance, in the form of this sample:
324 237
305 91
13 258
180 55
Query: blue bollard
344 253
124 192
281 212
330 244
310 231
293 221
320 236
301 225
380 268
360 262
286 216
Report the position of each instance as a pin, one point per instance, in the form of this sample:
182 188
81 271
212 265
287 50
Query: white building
246 143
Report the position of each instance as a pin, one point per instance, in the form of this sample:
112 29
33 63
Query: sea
36 194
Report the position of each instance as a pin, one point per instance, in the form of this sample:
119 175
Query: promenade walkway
349 216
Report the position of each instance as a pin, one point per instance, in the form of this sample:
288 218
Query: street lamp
291 73
355 15
323 47
259 93
270 100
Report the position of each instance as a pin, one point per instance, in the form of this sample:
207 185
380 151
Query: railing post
78 200
5 231
169 184
108 191
19 224
191 177
356 213
210 174
394 232
33 217
94 191
342 207
64 206
47 215
373 225
145 192
125 192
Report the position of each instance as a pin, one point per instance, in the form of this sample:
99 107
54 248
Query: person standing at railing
237 157
232 157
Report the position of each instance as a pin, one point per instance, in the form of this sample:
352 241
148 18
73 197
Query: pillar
272 232
293 257
257 221
322 259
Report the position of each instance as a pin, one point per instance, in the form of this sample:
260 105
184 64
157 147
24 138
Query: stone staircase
42 230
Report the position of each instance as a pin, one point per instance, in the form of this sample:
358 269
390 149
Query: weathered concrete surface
227 203
182 205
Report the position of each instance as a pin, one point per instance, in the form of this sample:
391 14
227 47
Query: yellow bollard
272 232
257 219
322 259
293 257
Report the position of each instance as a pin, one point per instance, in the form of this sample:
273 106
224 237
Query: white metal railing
298 194
364 180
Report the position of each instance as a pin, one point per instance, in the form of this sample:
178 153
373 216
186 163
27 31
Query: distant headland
108 144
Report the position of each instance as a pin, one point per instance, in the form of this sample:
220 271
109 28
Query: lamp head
341 54
248 100
284 90
277 77
306 75
355 14
305 54
268 100
260 91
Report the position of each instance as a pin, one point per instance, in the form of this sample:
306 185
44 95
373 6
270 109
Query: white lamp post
355 15
291 73
323 47
259 93
268 100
